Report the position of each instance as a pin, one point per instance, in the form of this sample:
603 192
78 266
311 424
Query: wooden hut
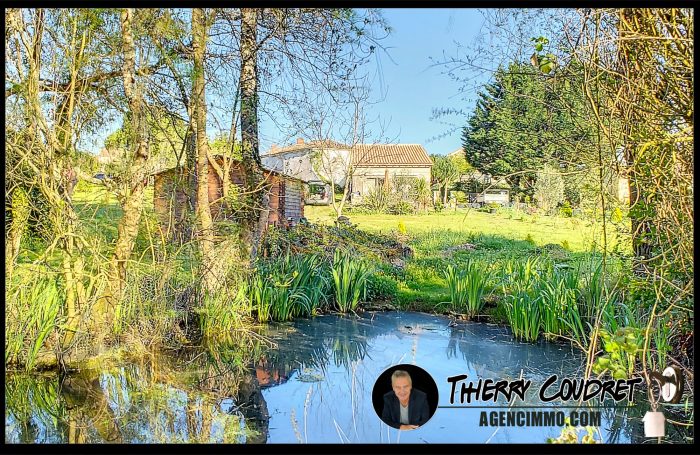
175 201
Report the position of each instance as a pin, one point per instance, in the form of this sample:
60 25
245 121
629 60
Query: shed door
292 200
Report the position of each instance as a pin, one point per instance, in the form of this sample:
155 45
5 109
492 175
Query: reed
349 280
220 314
31 316
467 287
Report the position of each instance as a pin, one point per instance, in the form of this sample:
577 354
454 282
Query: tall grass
467 287
349 280
522 309
31 315
221 314
542 297
293 286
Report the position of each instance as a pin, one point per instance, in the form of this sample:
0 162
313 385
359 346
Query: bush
381 287
402 208
549 188
377 200
565 210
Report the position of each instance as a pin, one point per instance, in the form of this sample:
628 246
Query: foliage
559 291
349 280
446 170
221 314
376 200
421 192
514 128
381 286
565 210
402 208
31 317
621 349
288 287
521 302
570 435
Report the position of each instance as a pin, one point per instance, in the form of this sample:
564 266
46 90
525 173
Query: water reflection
164 400
314 385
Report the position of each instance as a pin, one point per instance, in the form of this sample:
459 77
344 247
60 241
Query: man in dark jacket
405 408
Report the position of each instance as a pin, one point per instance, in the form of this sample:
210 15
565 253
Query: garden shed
173 199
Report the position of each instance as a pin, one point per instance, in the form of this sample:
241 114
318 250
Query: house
172 197
376 164
369 165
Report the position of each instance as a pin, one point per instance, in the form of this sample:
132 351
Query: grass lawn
497 237
508 224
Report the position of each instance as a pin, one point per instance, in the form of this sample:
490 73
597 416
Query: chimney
300 140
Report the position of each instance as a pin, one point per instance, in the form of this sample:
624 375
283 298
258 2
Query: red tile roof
390 155
370 155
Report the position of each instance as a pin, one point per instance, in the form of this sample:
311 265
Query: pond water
314 386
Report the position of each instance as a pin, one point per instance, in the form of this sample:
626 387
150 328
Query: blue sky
409 85
415 87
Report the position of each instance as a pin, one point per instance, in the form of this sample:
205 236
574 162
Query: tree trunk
206 224
132 201
256 217
634 60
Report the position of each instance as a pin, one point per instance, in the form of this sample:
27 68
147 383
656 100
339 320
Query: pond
314 386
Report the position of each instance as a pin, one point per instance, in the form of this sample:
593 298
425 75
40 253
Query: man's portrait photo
411 399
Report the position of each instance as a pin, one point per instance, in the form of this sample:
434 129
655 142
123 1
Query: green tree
519 123
447 170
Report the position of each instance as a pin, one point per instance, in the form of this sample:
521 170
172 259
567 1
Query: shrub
349 279
549 188
381 287
377 200
402 208
565 210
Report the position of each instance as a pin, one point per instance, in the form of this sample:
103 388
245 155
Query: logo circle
405 396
